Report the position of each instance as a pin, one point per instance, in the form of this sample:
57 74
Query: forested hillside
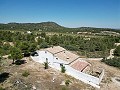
50 26
89 46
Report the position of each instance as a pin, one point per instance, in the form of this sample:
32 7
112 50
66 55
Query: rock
33 87
62 83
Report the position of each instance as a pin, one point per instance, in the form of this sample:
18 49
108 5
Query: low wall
54 62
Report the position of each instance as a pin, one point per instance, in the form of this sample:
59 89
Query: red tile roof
79 65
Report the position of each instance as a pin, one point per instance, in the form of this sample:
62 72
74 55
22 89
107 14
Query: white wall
89 79
55 63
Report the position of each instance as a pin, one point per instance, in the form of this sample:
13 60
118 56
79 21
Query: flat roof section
79 65
67 56
55 49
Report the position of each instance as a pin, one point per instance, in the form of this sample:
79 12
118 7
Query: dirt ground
39 78
110 72
50 79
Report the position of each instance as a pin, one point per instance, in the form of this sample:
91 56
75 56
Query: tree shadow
19 62
4 76
34 54
26 54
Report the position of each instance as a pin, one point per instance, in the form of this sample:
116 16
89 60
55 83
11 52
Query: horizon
67 13
56 23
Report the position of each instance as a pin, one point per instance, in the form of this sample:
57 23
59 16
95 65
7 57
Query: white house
74 65
29 32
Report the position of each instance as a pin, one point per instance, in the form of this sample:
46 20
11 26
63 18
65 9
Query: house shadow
4 76
19 62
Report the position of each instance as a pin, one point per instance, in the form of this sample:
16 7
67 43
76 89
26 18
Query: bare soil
50 79
110 72
39 78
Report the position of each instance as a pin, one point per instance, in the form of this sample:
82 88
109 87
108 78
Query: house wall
54 62
89 79
101 75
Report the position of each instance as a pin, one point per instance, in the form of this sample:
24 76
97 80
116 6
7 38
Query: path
111 54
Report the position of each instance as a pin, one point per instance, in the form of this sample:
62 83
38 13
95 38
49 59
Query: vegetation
27 43
51 27
46 64
1 88
64 88
67 82
25 73
112 62
117 51
16 54
63 69
17 43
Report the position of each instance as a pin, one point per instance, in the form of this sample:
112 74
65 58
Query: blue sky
69 13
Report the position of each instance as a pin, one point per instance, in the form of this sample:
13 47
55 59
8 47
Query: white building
29 32
74 65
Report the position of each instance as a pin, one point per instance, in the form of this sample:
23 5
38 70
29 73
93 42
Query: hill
30 26
50 26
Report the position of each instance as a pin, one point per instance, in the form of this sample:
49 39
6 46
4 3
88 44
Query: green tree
46 64
54 40
112 62
117 51
16 54
24 47
40 40
63 69
43 45
32 47
43 34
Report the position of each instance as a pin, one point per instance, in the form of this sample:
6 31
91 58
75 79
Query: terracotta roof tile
79 65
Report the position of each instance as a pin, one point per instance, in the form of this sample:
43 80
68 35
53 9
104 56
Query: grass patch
1 88
26 73
67 82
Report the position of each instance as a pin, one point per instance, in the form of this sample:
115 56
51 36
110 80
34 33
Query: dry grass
39 77
110 72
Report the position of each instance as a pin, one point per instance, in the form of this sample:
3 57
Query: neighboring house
29 32
74 65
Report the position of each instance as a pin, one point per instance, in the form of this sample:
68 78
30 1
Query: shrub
1 88
46 64
25 73
43 45
70 47
64 88
112 62
67 82
63 69
117 51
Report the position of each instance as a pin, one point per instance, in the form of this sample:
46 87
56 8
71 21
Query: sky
68 13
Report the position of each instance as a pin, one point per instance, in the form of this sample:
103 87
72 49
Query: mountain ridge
47 26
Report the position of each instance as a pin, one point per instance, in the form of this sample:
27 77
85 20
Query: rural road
111 54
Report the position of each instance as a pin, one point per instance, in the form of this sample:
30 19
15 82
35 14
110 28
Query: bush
46 64
112 62
1 88
25 73
64 88
67 82
70 47
117 51
63 69
43 45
